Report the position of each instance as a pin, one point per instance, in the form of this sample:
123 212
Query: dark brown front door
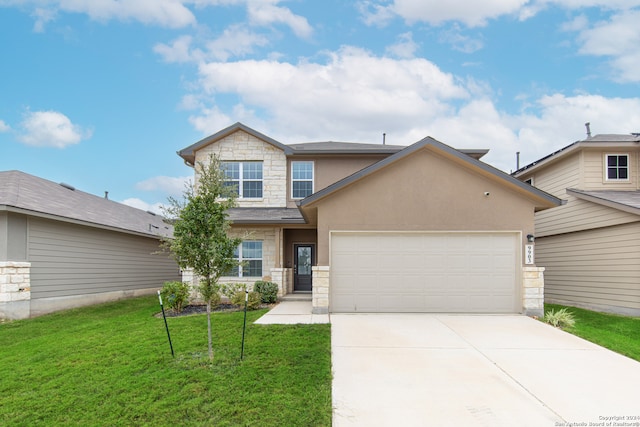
303 260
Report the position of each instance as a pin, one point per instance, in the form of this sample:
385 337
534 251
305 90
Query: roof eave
604 202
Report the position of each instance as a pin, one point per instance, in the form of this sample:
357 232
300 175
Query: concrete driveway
466 370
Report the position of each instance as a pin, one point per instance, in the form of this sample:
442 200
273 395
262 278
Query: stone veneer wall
533 291
320 290
241 146
15 289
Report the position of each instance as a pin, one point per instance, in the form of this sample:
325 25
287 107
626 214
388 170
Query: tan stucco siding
241 146
330 169
595 268
594 171
423 192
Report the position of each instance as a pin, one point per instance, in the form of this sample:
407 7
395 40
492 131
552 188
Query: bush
230 289
252 304
175 295
562 318
267 290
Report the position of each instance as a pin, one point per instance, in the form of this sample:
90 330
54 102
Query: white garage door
424 272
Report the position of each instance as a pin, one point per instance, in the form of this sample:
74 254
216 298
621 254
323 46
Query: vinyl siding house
380 228
591 245
62 248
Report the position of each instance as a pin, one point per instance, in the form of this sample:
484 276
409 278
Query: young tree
200 225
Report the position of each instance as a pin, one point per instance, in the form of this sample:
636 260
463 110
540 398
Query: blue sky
101 94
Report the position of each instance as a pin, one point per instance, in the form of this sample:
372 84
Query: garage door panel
424 272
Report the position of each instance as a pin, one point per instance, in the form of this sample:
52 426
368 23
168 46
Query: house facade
380 228
62 248
591 245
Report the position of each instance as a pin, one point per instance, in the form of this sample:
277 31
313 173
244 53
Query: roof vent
67 186
151 213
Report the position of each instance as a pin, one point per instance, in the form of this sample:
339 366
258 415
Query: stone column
15 289
320 289
533 291
278 277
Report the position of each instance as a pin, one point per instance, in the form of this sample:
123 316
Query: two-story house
591 245
380 228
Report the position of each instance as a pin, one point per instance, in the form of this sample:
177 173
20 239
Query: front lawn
111 365
618 333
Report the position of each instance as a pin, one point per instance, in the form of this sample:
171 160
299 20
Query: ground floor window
249 254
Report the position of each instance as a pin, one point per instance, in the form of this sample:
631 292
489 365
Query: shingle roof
628 201
428 141
26 193
265 216
604 140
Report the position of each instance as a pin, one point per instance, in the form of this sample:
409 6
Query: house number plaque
528 257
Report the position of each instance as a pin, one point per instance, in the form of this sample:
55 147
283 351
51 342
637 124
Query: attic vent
67 186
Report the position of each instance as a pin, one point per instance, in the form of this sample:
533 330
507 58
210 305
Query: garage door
424 272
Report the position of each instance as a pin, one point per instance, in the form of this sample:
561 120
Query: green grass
111 365
618 333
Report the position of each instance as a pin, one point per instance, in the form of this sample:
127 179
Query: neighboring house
591 245
380 228
62 248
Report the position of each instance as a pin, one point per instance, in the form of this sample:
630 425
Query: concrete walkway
292 312
464 370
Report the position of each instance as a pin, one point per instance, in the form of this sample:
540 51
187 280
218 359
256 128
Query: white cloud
168 184
404 48
165 13
4 127
472 13
50 129
235 41
460 42
156 208
178 51
617 38
265 13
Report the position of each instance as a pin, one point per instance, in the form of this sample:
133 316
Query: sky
101 94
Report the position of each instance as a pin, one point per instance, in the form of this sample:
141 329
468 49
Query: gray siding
72 260
595 268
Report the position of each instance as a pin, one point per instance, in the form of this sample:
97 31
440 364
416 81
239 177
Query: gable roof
306 148
627 201
597 141
189 156
31 195
547 199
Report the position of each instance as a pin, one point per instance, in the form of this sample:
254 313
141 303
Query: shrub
175 295
267 290
562 318
230 289
252 304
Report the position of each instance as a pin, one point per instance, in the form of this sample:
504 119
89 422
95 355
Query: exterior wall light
531 238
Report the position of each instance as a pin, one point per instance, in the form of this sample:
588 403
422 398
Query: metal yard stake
244 326
165 324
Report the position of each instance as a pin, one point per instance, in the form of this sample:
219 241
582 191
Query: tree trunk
209 330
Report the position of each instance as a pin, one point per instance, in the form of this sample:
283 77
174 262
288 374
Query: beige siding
579 215
594 171
595 268
556 178
71 260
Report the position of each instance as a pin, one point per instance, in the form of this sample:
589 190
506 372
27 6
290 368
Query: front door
303 260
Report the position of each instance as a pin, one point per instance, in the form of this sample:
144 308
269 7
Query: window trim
241 180
241 259
606 167
313 176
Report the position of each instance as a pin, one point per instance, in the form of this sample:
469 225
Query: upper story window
246 177
301 179
617 167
